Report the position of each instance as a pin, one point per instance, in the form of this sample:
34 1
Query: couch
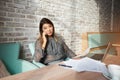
9 54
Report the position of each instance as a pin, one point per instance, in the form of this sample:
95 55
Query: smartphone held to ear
46 35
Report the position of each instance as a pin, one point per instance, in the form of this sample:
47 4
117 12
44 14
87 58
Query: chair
9 53
32 50
112 54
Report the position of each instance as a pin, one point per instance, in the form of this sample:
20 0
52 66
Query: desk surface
55 72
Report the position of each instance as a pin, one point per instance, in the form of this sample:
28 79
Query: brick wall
116 16
19 20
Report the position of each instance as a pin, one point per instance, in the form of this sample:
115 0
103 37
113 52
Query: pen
65 65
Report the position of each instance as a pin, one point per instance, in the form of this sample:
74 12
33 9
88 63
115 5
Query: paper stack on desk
114 71
87 64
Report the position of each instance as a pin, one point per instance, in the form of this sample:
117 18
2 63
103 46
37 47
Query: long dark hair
42 22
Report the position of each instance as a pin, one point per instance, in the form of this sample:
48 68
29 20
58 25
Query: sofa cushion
3 70
32 48
9 49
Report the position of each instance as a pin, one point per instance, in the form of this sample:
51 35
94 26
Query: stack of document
87 64
114 71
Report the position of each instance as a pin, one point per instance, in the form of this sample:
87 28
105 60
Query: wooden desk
55 72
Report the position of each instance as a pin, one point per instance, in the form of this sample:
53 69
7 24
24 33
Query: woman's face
47 29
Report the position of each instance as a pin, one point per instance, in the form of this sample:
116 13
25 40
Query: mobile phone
46 36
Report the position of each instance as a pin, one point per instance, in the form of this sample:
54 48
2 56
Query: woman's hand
44 37
44 40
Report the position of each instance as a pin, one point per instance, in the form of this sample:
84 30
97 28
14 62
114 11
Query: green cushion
32 48
95 40
18 66
38 64
9 53
102 39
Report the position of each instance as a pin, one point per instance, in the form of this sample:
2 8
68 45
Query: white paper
114 71
87 64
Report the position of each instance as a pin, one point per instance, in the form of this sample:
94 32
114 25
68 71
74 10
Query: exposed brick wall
116 16
19 19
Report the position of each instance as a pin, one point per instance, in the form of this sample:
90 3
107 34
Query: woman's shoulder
59 38
37 42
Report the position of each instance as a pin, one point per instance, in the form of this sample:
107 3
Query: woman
49 48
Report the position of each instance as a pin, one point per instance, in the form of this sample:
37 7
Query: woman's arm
44 37
68 51
39 52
